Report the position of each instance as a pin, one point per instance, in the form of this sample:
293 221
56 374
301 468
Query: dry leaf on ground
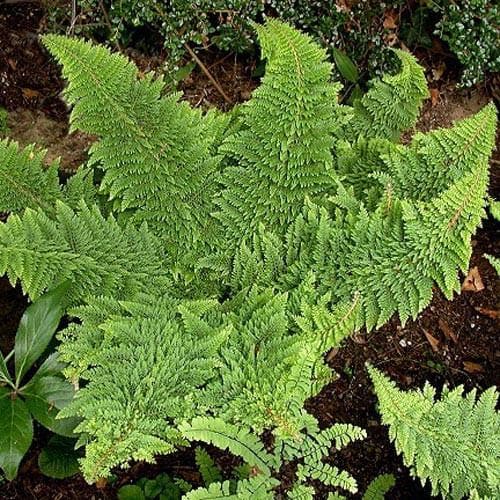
473 282
446 329
433 341
471 367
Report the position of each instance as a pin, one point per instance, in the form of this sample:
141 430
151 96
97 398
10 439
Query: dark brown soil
453 342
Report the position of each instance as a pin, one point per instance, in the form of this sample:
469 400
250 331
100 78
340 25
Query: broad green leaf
36 329
345 65
4 373
16 433
130 492
45 397
51 366
59 458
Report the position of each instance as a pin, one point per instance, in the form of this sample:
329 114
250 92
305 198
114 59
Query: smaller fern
206 465
377 489
309 449
452 442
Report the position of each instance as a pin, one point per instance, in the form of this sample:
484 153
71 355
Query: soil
452 341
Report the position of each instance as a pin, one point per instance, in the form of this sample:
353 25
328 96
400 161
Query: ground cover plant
231 251
39 397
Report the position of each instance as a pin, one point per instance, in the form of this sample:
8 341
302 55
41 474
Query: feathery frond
452 442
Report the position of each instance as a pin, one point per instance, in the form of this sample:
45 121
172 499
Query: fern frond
437 159
212 492
142 376
452 442
24 181
327 474
393 104
157 154
301 492
237 440
206 465
271 171
379 486
97 255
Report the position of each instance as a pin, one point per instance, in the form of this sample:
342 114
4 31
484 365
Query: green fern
310 449
206 465
24 183
148 145
97 255
234 250
377 488
452 442
272 170
393 104
161 358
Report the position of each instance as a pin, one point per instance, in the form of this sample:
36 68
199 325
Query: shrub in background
354 27
471 28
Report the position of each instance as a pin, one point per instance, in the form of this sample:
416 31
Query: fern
97 255
206 465
452 442
161 361
233 250
148 145
392 104
271 171
377 489
309 448
24 183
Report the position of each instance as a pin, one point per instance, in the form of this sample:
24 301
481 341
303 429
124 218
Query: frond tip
453 441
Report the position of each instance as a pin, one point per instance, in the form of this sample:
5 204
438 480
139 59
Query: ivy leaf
59 458
45 397
345 65
16 432
36 329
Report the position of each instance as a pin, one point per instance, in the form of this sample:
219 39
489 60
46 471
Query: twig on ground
205 70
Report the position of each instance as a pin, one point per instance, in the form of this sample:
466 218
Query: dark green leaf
36 329
16 433
59 458
345 65
152 488
51 366
130 492
45 397
4 373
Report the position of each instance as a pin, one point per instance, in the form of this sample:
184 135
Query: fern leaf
212 492
97 255
377 488
437 159
452 442
206 465
144 372
238 441
24 181
269 174
393 104
157 154
301 492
